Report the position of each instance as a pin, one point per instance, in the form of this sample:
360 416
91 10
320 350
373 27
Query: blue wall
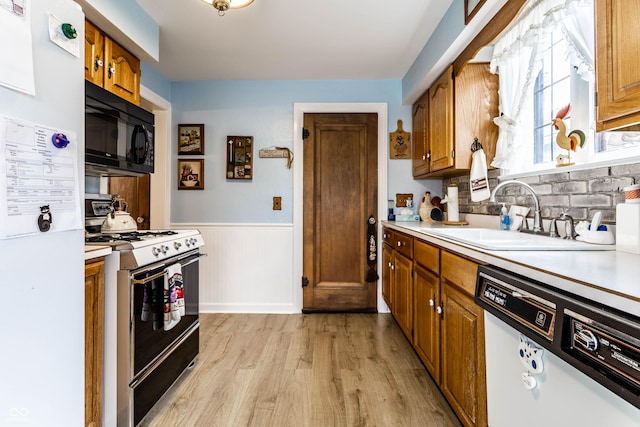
155 81
264 110
130 19
451 26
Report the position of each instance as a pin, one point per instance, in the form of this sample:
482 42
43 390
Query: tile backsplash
580 193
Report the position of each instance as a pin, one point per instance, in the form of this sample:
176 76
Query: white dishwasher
554 359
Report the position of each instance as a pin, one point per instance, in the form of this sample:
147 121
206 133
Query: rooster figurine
574 139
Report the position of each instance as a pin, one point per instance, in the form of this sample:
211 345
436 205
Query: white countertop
609 277
91 252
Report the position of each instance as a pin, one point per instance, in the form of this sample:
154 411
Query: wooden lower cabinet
94 341
387 263
403 293
397 277
426 334
463 380
430 293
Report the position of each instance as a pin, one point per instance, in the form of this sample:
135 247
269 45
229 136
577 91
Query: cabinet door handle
112 70
440 311
400 243
393 267
390 265
424 157
97 63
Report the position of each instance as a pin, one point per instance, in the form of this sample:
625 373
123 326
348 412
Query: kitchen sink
501 240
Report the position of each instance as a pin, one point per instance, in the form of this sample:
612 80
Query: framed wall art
190 139
190 174
239 157
471 7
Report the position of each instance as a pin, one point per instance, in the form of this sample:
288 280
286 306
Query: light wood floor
303 370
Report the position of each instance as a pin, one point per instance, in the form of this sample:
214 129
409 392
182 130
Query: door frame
299 110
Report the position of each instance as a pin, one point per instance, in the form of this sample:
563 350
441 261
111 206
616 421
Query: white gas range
159 271
140 248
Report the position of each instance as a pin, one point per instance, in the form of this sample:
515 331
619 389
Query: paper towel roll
453 214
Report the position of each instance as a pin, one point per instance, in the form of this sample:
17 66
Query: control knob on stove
191 241
177 245
161 249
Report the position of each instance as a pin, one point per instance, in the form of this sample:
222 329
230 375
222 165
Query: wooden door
617 63
440 122
426 339
340 193
419 129
93 54
136 192
122 73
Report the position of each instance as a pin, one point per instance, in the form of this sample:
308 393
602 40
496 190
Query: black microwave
118 135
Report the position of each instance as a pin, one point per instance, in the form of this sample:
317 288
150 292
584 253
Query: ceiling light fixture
223 5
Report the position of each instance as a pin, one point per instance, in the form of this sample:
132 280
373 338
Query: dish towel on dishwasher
172 281
478 180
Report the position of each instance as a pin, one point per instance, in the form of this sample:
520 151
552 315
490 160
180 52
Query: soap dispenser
505 222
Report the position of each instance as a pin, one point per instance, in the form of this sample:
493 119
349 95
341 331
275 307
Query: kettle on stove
118 220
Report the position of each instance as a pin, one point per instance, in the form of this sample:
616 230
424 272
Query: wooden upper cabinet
440 140
111 66
458 110
93 54
617 64
122 72
476 106
419 129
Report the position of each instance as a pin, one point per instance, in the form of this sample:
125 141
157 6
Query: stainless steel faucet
569 227
537 219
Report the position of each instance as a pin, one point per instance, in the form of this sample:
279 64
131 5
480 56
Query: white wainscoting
249 268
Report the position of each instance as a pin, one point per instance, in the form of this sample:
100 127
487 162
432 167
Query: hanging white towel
478 179
171 309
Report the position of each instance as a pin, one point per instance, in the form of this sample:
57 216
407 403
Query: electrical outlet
277 203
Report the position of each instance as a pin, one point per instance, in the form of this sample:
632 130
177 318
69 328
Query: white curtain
516 60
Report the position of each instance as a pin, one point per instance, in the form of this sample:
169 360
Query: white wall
248 268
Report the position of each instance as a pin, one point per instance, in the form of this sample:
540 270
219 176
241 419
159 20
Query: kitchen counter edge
608 277
92 252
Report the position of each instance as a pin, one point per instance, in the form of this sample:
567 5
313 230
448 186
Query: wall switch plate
277 203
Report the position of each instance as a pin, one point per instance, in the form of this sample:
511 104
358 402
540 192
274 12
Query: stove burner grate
133 236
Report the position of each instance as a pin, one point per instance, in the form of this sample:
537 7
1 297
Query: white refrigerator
42 274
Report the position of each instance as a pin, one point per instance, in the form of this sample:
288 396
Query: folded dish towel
478 179
172 280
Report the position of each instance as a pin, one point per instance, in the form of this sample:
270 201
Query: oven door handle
162 273
194 260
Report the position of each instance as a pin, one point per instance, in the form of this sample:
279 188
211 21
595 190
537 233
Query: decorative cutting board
400 143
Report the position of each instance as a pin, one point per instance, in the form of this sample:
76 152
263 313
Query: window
557 85
551 92
545 61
